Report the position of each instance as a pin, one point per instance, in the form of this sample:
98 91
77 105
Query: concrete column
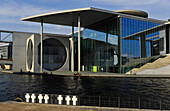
72 49
41 70
78 43
142 46
151 48
107 35
162 42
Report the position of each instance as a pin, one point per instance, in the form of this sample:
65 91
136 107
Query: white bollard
40 97
74 99
60 98
33 98
27 96
68 100
46 97
82 67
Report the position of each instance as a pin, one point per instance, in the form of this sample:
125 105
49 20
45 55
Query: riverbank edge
84 74
23 106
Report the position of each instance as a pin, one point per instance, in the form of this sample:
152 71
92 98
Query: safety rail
101 101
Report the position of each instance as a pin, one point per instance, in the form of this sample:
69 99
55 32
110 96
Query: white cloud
12 12
127 2
16 9
7 20
57 29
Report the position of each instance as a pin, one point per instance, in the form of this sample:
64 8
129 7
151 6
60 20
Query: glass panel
134 48
99 47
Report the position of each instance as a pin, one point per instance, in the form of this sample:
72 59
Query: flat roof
89 16
47 34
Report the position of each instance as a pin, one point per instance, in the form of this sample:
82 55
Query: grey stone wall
19 50
169 37
64 40
162 34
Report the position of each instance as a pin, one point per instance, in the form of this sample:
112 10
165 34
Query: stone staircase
161 62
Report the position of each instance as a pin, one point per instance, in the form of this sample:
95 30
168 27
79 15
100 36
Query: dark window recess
54 54
161 44
30 55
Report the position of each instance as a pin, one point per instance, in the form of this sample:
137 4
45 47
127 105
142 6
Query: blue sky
11 11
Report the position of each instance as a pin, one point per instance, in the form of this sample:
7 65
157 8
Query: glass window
131 46
99 47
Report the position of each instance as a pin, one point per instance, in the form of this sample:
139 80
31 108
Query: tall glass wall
113 45
100 47
136 50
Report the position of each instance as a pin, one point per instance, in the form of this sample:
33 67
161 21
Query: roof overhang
89 16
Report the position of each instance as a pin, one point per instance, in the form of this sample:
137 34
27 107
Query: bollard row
51 99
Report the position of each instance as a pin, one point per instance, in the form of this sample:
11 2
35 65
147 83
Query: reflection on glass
110 46
99 47
136 50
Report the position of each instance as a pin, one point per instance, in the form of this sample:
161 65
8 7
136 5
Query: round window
54 54
30 54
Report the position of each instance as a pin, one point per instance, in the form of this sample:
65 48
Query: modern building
111 41
5 50
26 52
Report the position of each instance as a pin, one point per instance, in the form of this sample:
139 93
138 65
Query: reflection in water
12 86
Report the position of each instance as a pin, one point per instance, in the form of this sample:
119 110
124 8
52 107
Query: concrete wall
65 42
142 46
162 34
19 50
168 36
36 42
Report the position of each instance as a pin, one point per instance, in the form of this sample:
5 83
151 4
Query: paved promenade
14 106
91 74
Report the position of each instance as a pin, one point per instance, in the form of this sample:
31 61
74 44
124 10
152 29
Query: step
154 65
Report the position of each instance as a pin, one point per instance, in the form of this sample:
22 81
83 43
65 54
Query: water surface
15 85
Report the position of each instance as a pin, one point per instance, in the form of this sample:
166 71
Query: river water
15 85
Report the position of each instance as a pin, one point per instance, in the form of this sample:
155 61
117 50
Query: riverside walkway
92 74
21 106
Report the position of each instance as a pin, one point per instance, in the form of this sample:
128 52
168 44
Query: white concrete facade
20 47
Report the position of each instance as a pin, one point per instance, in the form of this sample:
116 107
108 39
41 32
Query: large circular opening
54 54
30 54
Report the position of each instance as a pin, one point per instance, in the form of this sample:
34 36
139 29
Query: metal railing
113 101
124 102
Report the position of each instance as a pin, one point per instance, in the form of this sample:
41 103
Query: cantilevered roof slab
88 17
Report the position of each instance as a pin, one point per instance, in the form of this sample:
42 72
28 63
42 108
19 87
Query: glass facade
100 47
137 49
113 45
